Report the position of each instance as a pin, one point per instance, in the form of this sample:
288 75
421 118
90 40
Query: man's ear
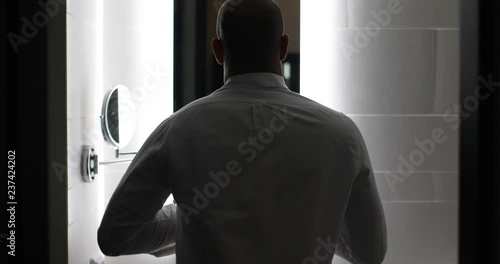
218 50
284 47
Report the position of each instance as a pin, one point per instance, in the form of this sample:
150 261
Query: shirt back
261 175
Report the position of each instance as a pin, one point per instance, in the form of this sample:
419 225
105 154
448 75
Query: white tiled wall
111 42
389 137
83 109
415 14
396 85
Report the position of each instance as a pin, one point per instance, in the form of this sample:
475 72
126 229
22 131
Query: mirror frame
105 119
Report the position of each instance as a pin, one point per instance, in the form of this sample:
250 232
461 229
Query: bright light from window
157 52
320 64
156 48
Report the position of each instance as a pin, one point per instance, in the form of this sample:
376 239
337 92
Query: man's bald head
250 31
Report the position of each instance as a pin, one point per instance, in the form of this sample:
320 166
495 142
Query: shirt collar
258 79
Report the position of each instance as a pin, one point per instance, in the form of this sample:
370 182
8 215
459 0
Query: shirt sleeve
136 220
363 237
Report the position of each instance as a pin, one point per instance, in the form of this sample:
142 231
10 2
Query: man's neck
228 72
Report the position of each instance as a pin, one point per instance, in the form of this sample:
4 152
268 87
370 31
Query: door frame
479 222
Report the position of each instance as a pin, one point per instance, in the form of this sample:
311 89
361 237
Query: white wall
396 84
111 42
83 109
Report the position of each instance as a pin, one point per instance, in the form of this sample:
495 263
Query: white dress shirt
260 174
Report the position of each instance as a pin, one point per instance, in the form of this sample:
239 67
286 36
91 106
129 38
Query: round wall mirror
118 117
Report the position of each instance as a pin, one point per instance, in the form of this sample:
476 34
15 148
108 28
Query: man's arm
135 220
363 239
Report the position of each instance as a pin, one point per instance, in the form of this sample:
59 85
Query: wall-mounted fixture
90 164
118 117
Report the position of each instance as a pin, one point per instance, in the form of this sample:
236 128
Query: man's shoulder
333 119
201 105
318 107
286 99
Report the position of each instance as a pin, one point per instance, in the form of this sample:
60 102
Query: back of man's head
250 31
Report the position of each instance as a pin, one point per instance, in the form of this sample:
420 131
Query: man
259 174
